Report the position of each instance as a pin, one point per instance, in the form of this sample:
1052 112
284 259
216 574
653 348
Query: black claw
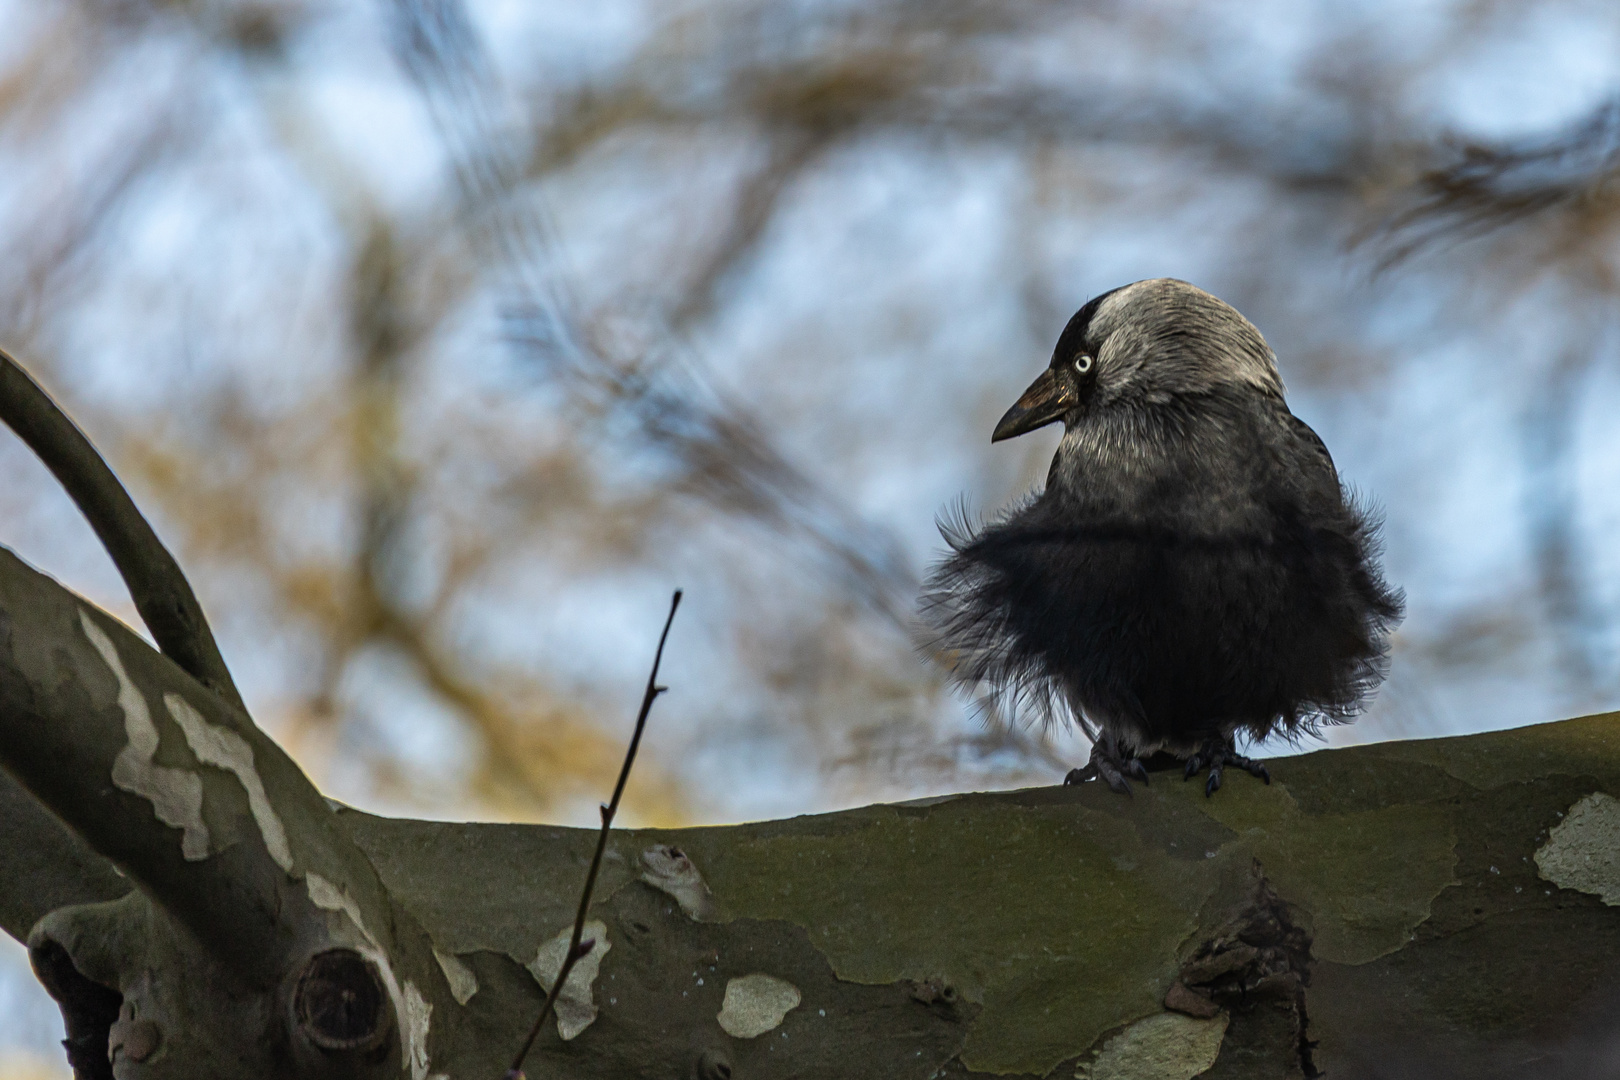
1080 776
1216 755
1112 766
1116 781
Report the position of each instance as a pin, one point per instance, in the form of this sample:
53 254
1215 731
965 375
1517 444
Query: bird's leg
1111 764
1217 753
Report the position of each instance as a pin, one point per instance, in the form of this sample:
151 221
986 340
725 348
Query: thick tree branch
1421 908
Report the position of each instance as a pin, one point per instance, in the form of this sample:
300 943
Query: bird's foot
1111 765
1215 755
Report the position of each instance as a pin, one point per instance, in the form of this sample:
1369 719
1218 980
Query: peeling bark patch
1168 1046
1180 998
1257 965
1260 950
175 794
671 871
1583 851
575 1008
754 1004
225 749
327 896
134 1039
416 1017
463 983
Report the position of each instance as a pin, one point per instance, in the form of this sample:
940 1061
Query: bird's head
1147 343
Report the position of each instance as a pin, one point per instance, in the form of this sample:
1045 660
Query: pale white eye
1082 363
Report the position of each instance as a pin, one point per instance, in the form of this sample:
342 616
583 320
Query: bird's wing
1309 461
1310 438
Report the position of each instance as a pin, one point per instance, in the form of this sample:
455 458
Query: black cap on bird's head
1148 342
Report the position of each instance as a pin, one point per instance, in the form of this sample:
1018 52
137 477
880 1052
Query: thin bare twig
156 583
578 950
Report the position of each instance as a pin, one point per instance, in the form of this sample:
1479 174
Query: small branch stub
340 1003
712 1065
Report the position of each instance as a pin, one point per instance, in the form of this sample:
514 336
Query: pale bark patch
225 749
1168 1046
754 1004
1582 852
576 1009
176 795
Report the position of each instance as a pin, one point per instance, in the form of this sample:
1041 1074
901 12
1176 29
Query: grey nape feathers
1193 568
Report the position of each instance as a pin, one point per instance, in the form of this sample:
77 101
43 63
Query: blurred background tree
441 338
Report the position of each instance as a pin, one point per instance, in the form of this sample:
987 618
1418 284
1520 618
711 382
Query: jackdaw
1193 568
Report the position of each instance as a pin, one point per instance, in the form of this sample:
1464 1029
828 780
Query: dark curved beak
1046 400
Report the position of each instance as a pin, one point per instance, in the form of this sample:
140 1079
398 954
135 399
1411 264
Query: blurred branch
1490 188
946 69
511 766
80 211
787 157
1552 512
726 454
384 336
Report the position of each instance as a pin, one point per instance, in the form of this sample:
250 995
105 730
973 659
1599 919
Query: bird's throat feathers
1198 462
1128 439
